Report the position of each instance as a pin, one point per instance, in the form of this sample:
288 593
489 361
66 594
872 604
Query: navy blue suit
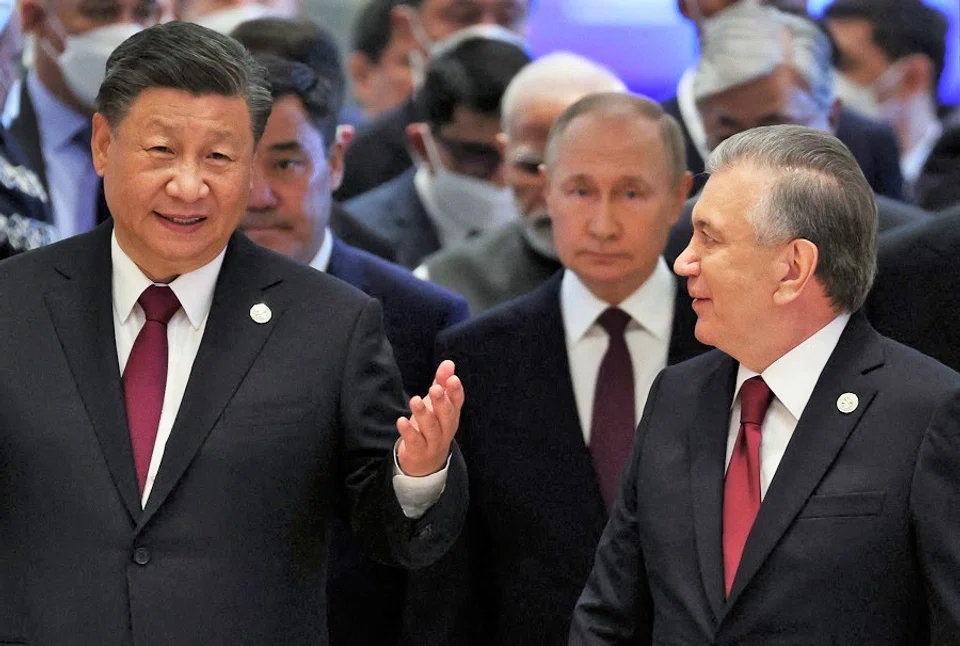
536 512
395 212
414 312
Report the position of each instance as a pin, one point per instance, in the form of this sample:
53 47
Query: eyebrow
168 127
285 147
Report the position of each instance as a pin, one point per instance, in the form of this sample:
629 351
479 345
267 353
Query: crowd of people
523 358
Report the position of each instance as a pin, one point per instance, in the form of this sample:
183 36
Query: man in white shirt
186 411
567 391
793 485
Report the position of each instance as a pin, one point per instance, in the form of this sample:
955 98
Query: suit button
141 556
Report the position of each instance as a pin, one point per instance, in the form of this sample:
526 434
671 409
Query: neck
791 332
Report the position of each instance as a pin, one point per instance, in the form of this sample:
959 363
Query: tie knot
614 320
159 303
755 397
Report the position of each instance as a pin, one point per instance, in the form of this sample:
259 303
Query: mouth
181 220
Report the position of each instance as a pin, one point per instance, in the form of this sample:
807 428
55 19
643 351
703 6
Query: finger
426 419
447 414
454 388
445 370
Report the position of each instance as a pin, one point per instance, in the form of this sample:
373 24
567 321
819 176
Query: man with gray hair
517 257
746 50
792 485
185 412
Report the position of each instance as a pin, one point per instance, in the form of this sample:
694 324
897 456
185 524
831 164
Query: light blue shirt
72 181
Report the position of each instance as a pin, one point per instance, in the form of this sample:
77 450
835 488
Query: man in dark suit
458 189
542 482
914 299
790 487
187 411
307 42
289 212
759 63
380 152
938 186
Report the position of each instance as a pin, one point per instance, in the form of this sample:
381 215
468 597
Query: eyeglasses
527 163
472 158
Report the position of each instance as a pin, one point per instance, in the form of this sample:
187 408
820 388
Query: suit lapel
707 446
82 313
231 343
820 435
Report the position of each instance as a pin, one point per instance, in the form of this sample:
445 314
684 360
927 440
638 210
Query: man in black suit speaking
184 410
797 486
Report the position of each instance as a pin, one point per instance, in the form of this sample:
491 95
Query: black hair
372 29
291 78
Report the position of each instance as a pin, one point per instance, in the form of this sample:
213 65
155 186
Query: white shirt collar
650 306
793 376
194 289
690 114
911 164
321 262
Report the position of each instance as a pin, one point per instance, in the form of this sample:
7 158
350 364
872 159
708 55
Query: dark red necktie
741 488
145 375
614 417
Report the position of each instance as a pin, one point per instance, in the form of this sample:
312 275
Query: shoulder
892 213
509 324
375 201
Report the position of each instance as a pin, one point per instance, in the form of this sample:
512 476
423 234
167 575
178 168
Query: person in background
379 63
187 410
873 144
889 58
298 163
543 480
782 76
938 186
790 486
224 16
379 151
458 189
308 43
11 61
515 258
73 40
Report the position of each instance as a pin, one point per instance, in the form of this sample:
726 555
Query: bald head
559 79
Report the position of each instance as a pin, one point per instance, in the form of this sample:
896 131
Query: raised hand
426 435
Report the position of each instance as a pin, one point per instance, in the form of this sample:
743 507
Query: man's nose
687 263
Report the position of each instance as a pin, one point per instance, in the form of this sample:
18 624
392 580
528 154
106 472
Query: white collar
793 376
194 289
911 163
690 114
650 306
321 262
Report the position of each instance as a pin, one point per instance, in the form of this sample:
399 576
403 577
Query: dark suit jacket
357 234
891 214
378 152
536 510
852 544
874 145
414 312
938 186
914 299
395 211
283 426
26 133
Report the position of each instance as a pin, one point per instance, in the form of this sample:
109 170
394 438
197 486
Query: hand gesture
425 436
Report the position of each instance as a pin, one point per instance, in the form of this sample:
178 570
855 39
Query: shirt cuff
417 495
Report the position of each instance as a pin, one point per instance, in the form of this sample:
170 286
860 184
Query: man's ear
416 141
401 26
335 164
100 143
799 266
32 15
681 193
501 141
360 69
917 75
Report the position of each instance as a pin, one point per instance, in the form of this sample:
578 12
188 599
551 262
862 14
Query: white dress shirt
184 333
912 162
73 183
647 336
321 261
792 379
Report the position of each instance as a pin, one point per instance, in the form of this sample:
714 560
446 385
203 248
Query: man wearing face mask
889 58
74 38
226 15
457 189
873 144
379 151
517 257
759 66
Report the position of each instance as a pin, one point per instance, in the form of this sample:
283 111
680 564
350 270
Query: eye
163 150
218 156
289 164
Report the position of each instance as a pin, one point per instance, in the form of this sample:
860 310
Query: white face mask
863 98
226 20
475 204
538 232
83 61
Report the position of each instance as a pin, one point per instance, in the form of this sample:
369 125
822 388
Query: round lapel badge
847 403
260 313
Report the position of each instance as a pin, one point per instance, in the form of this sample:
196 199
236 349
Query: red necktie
145 376
741 489
614 417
